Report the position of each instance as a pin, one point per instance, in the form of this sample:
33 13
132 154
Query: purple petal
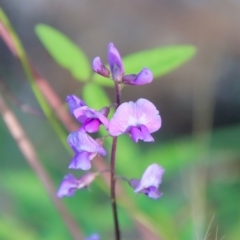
134 183
104 111
140 133
81 161
68 186
99 68
74 102
152 177
139 114
152 192
81 142
94 236
115 63
135 134
103 119
148 115
124 118
146 136
142 78
91 125
85 115
129 79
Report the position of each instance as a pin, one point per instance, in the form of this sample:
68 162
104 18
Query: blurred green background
198 144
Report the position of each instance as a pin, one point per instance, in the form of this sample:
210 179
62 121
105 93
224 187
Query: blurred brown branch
30 155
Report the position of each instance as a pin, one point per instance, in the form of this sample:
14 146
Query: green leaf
66 53
95 96
159 60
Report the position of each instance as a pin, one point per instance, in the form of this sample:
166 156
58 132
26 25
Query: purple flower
151 179
90 118
74 102
85 148
115 63
117 71
144 77
94 236
70 184
99 68
138 119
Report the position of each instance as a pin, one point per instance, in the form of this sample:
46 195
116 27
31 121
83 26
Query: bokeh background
198 144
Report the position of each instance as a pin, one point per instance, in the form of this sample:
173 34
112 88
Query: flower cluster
137 119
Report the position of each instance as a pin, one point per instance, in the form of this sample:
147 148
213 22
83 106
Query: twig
206 235
24 107
30 155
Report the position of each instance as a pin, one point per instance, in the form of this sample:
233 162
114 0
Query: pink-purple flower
145 76
85 148
99 68
70 184
90 118
74 102
150 181
138 119
94 236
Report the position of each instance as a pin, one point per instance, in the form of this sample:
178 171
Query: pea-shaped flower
138 119
150 181
90 118
145 76
70 184
94 236
74 102
85 148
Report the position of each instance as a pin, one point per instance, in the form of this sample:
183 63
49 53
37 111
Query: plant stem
113 195
112 175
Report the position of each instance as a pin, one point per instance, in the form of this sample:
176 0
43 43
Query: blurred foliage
64 51
27 212
25 203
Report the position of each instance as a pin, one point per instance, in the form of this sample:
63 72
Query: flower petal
146 136
134 183
68 186
103 119
81 141
135 134
142 114
115 63
94 236
124 117
74 102
152 192
81 161
142 78
91 126
148 115
99 68
85 115
129 79
152 177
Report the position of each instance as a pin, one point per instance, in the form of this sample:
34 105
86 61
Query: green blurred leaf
95 96
8 223
64 51
159 60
